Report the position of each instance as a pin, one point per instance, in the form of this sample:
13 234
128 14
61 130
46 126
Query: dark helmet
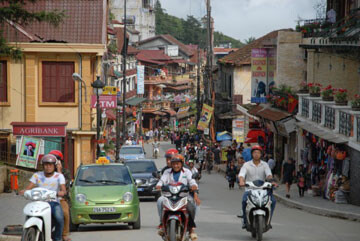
48 158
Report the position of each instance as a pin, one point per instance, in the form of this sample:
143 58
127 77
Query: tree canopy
15 11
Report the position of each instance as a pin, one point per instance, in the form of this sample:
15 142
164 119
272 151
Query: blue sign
140 79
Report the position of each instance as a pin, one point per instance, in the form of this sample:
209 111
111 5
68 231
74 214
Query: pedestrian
147 136
231 172
216 151
247 153
301 180
238 154
271 162
288 173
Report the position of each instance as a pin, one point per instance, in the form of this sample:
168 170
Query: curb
9 238
318 211
315 210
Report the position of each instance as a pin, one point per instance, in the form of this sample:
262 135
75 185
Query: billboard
205 117
29 152
105 101
263 65
140 79
238 131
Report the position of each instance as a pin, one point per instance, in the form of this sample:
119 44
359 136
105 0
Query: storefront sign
140 79
39 128
238 132
183 112
105 101
29 152
262 73
205 117
109 90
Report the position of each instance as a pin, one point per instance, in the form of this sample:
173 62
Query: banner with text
140 79
29 152
238 126
205 117
105 101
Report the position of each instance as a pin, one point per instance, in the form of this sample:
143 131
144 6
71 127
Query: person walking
231 172
301 180
288 174
271 162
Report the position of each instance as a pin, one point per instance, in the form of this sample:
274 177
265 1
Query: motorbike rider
256 169
192 167
64 201
178 174
168 155
52 180
156 146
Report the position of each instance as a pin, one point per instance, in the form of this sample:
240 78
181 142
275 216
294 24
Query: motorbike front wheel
259 227
172 230
29 234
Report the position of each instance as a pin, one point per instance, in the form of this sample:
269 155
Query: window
57 82
146 3
3 81
329 117
316 116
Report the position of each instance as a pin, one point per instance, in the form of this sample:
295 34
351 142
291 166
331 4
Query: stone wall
23 177
354 176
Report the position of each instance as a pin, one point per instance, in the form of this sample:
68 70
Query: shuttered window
3 81
57 82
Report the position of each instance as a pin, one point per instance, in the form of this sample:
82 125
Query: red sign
39 128
105 101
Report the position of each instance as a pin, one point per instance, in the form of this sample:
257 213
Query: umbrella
252 136
223 136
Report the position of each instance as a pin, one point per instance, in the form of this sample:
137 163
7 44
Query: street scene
179 120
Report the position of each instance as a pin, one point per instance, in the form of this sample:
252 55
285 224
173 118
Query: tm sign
105 101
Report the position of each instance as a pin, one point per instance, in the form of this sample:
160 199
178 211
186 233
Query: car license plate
104 210
140 189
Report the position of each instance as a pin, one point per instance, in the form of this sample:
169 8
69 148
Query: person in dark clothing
216 151
288 174
192 152
178 142
231 172
301 180
231 152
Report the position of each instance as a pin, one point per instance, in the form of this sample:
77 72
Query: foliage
314 88
327 92
356 102
112 47
14 10
250 40
189 31
340 95
192 129
303 85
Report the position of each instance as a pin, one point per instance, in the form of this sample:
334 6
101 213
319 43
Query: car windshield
141 167
131 150
103 175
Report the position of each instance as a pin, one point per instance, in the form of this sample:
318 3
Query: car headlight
174 189
81 198
152 180
128 197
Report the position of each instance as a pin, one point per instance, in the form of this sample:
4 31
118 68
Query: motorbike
38 215
175 215
155 153
258 209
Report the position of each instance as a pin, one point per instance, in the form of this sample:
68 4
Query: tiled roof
119 32
171 40
85 22
243 55
153 56
224 50
268 113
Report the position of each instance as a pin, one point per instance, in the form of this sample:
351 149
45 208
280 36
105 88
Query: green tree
250 40
15 11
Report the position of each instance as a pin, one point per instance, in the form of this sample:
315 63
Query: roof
243 55
268 113
224 50
153 56
171 40
89 16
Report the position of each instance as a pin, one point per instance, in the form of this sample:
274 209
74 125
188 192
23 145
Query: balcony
339 124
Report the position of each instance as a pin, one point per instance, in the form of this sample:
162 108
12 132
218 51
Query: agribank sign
39 128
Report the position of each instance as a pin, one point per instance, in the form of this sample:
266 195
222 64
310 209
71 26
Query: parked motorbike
175 215
38 215
258 209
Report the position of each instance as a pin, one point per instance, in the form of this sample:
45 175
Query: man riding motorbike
156 146
178 174
168 155
256 169
54 181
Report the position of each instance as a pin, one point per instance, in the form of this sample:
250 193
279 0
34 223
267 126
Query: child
231 175
301 180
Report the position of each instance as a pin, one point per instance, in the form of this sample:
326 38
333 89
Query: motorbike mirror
155 174
195 176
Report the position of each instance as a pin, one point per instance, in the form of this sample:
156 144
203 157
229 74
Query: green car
104 193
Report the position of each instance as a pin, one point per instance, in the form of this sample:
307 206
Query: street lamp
77 77
118 117
98 86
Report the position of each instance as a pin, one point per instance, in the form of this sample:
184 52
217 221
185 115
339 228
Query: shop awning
252 136
269 113
171 112
322 133
135 101
159 113
223 136
183 112
228 115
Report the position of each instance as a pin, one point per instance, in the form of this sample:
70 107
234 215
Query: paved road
217 220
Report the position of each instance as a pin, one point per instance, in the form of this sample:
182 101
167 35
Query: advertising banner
205 117
238 132
29 152
263 63
105 101
140 79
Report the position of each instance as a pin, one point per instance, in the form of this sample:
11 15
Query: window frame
40 84
8 84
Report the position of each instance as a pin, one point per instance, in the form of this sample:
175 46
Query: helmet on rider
169 153
49 159
178 158
58 154
256 147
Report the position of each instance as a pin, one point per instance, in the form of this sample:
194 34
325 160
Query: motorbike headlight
183 194
266 200
36 195
128 197
174 189
81 198
255 199
166 194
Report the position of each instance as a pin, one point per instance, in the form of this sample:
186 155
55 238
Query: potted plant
355 104
327 93
304 88
341 97
314 89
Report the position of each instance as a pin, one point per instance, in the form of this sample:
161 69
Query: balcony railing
345 123
316 115
358 129
329 117
305 108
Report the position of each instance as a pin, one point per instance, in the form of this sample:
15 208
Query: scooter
155 153
38 215
175 215
258 208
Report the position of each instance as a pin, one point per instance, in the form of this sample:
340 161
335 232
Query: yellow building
40 88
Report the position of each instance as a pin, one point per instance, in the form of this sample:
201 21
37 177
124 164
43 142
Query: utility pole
124 75
198 107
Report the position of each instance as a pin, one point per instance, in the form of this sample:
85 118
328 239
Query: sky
242 19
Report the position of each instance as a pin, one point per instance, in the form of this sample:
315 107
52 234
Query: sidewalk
315 205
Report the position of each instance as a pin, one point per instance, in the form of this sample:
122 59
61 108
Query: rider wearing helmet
64 201
52 180
256 169
192 167
168 155
178 174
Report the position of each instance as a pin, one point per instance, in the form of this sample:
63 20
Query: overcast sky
242 19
